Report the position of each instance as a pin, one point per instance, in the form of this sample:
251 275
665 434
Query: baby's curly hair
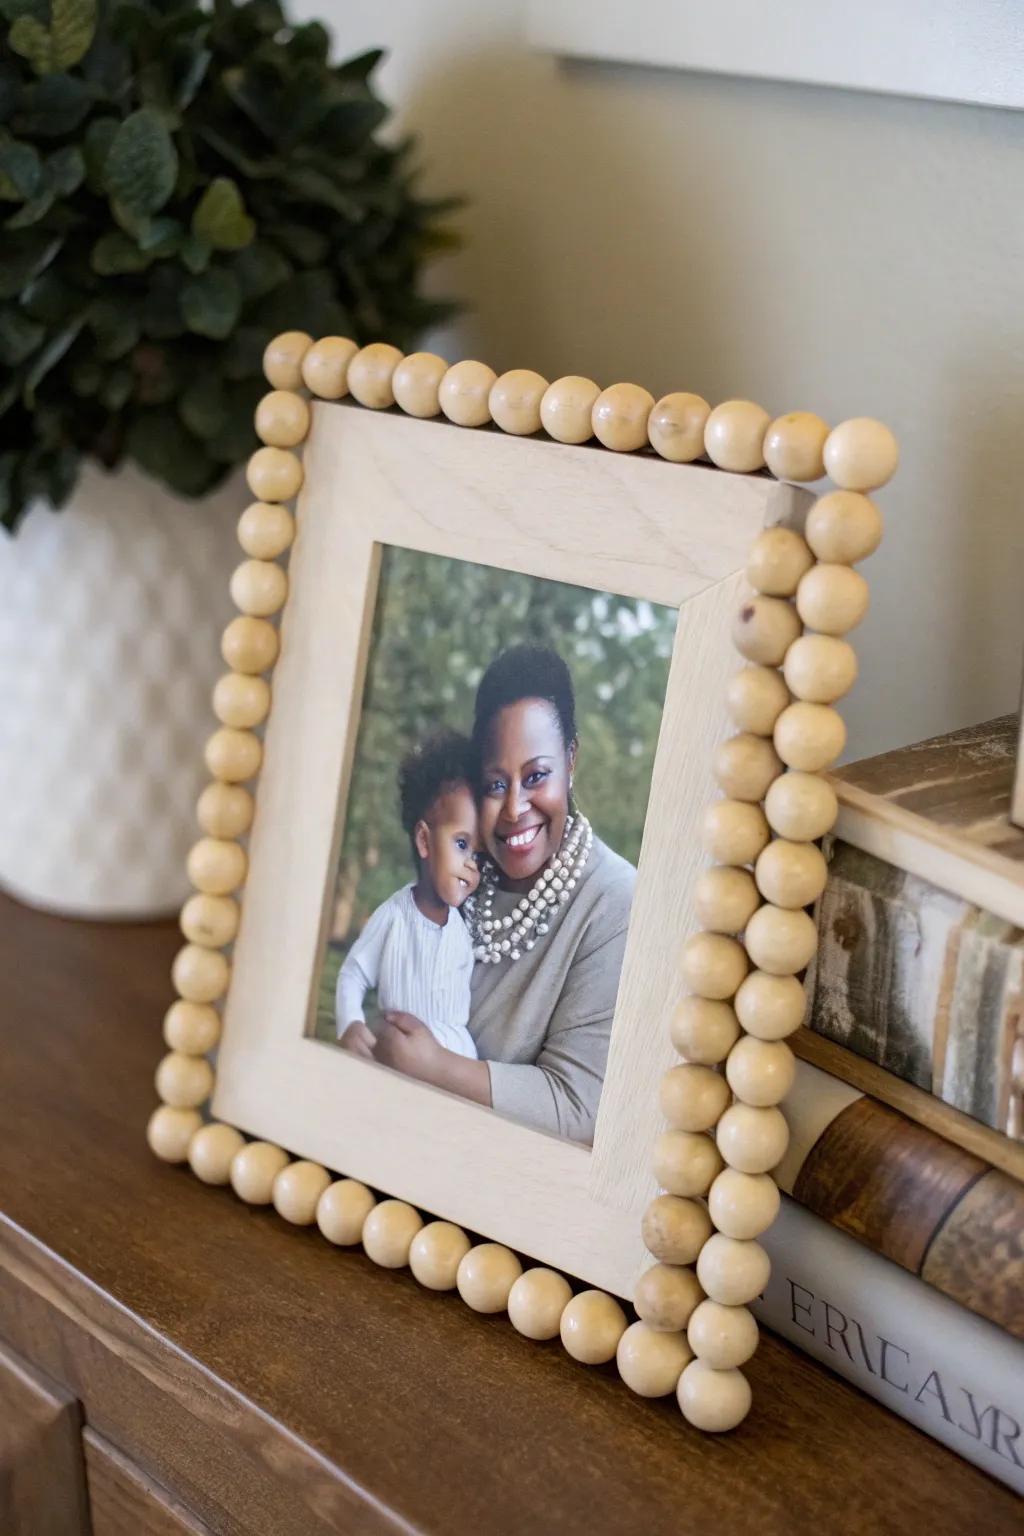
442 762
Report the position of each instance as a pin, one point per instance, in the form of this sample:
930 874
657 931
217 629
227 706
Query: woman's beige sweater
542 1022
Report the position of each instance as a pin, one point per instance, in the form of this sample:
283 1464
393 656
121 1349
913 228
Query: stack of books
898 1258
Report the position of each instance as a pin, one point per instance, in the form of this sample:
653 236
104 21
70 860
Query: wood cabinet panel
42 1486
123 1501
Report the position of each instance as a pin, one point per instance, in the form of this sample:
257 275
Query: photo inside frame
492 831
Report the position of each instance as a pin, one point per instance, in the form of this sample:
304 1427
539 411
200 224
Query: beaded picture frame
684 478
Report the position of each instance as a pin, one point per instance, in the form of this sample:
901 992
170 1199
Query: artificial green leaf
195 254
161 314
52 107
161 237
21 171
115 326
360 67
203 406
63 43
19 336
65 170
99 136
220 217
24 257
211 303
31 212
160 444
116 390
10 10
51 297
141 163
86 378
259 269
116 253
48 358
306 245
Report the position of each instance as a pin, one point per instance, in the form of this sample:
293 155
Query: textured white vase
110 616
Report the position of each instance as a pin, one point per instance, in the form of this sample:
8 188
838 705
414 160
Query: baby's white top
416 966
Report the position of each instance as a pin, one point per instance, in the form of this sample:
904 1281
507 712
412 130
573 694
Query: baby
416 949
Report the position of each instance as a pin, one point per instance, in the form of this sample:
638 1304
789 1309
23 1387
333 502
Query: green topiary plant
183 180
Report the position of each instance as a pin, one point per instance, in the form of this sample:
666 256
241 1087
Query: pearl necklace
506 938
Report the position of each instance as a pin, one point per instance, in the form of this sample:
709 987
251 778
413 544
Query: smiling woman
504 994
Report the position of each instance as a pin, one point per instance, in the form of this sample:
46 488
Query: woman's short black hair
442 762
525 672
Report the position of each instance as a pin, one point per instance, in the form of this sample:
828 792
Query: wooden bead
734 436
282 419
566 409
777 560
734 831
713 965
843 527
723 1337
745 765
765 628
724 898
215 866
794 446
801 806
296 1190
258 587
435 1254
249 645
743 1205
282 359
674 1230
651 1362
254 1169
731 1271
675 427
780 941
416 382
591 1326
832 599
233 755
210 920
770 1007
619 417
755 698
465 392
760 1072
193 1028
342 1210
388 1232
685 1164
664 1297
211 1151
274 474
170 1131
241 700
791 874
752 1140
714 1401
224 811
809 736
184 1081
486 1276
325 367
692 1097
861 454
820 669
200 975
536 1303
515 399
370 375
703 1030
265 530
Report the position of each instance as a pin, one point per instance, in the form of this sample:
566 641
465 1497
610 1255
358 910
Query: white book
953 1374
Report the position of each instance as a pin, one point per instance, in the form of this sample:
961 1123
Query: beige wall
804 247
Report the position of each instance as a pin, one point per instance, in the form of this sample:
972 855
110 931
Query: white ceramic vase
110 616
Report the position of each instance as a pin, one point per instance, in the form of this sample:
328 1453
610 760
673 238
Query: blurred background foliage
438 623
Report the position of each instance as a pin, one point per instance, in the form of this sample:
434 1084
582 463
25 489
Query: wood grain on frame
673 534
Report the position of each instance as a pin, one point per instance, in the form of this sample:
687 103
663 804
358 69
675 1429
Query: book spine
955 1376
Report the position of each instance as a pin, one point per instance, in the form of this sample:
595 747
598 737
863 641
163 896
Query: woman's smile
520 840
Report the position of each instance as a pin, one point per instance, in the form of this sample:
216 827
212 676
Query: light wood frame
636 523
